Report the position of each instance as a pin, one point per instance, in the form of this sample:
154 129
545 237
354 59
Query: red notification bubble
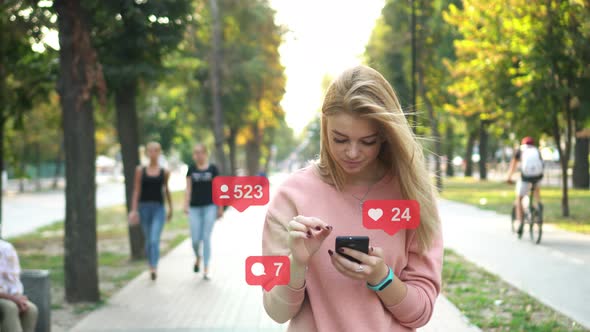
268 271
391 215
240 191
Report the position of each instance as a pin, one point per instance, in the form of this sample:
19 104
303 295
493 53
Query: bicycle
532 216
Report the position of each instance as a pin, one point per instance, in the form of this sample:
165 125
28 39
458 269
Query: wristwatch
384 283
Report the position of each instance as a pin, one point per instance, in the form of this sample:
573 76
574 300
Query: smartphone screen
360 243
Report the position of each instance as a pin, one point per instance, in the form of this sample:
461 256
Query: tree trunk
434 129
2 133
555 107
23 167
215 73
568 151
127 130
2 126
38 164
253 151
483 149
450 150
581 175
413 121
469 153
58 165
233 132
80 256
563 162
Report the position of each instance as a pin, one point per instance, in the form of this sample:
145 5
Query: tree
521 63
25 75
480 70
425 43
553 71
80 75
131 38
215 75
581 176
251 76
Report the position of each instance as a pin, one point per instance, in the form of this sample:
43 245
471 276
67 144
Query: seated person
17 312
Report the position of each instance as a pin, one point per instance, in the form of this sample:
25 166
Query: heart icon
375 214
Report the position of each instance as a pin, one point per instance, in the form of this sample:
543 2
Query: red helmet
527 141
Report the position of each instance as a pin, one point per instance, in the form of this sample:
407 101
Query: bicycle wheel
536 226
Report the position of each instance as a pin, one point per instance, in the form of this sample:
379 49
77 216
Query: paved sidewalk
556 271
181 301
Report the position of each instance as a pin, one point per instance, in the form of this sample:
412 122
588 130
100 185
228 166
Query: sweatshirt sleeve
422 276
282 302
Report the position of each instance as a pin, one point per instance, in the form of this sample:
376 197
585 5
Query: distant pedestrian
151 184
199 205
17 313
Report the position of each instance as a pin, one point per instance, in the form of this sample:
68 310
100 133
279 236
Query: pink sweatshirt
330 301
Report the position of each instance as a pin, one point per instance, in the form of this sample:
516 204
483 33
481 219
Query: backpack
531 161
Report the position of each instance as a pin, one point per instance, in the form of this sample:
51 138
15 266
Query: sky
325 37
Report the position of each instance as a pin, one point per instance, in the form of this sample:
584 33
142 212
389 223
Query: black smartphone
360 243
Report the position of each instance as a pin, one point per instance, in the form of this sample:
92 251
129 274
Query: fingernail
341 250
330 252
318 228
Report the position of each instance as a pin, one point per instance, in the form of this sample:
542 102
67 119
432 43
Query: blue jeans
152 217
201 220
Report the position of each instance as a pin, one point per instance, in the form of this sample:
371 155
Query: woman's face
153 152
199 155
354 142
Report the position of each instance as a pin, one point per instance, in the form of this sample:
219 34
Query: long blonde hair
363 91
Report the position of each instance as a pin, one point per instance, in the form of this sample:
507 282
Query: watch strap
384 283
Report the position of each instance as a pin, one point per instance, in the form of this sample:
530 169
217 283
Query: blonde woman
368 152
147 208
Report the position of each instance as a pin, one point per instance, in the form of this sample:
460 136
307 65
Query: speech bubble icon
268 271
391 215
240 192
257 269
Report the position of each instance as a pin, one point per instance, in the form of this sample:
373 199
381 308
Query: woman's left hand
372 268
169 217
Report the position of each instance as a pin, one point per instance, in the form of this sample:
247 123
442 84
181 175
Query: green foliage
389 48
26 76
131 37
252 77
517 61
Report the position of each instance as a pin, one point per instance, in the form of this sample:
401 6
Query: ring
360 268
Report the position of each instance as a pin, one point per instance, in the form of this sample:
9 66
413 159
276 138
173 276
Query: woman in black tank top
151 184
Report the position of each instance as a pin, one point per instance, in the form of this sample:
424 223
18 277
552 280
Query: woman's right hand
133 217
21 302
306 235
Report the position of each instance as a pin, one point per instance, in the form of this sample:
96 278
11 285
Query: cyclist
531 170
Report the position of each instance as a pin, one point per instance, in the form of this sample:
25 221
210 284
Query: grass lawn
494 305
498 196
43 249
